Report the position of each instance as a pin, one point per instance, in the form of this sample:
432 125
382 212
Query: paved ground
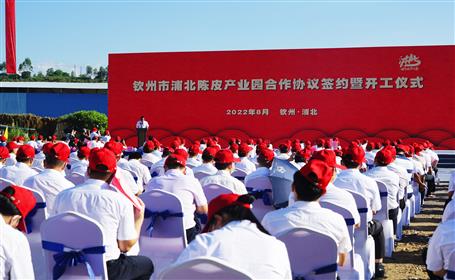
407 262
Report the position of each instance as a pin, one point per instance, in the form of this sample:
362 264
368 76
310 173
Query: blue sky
64 34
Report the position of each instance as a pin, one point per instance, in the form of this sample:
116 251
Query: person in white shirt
140 170
301 157
12 148
4 155
121 222
284 151
392 181
234 235
52 180
245 164
142 123
419 171
193 154
95 143
370 154
32 142
3 141
106 137
95 133
208 163
224 162
188 189
15 256
22 170
265 160
308 186
80 165
440 247
148 157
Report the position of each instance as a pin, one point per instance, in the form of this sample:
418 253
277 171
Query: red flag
10 38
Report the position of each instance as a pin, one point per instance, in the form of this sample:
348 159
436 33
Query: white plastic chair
363 242
68 233
451 269
261 188
313 255
213 190
354 266
203 268
239 174
163 235
201 175
383 216
76 178
6 183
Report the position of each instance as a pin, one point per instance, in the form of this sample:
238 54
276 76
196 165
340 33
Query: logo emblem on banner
409 62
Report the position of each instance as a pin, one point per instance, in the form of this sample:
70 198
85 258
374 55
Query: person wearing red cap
283 151
225 163
121 223
139 170
4 155
245 164
308 186
95 143
12 148
187 188
32 142
351 179
22 170
94 133
207 168
392 181
265 160
52 180
194 153
157 168
3 141
79 166
301 157
234 235
148 157
106 137
15 256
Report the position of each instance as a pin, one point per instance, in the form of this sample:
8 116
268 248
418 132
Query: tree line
26 74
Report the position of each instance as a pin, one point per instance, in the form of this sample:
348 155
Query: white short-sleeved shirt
391 180
79 166
449 212
245 165
242 245
38 161
11 161
402 174
148 159
15 255
187 189
142 124
224 178
17 173
341 198
352 179
263 172
369 156
312 216
33 144
142 172
96 199
441 245
206 168
193 162
127 180
50 183
452 182
158 166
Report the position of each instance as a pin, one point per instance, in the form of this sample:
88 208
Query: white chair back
76 178
313 255
261 188
6 183
203 268
213 190
382 214
239 174
70 232
201 175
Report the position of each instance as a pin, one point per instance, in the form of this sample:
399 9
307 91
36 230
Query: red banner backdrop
10 36
380 92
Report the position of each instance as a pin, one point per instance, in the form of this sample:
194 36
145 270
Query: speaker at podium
141 130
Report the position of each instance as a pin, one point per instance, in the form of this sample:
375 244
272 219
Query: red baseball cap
47 148
115 147
181 152
225 156
33 137
266 154
220 202
4 153
319 172
384 157
209 151
102 160
175 158
11 146
234 147
84 150
356 154
195 149
404 148
304 153
60 151
329 157
21 138
24 200
25 151
3 138
150 145
244 148
54 137
175 144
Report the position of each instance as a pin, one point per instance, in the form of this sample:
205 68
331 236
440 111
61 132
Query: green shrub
85 119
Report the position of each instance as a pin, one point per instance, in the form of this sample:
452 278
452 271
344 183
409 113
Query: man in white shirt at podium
142 123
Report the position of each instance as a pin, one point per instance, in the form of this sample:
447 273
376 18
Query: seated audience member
3 141
392 181
22 170
141 171
224 162
15 255
193 156
245 164
284 151
309 185
12 148
4 155
370 154
188 189
183 153
234 235
265 159
157 168
208 162
121 223
80 165
148 157
301 157
52 180
352 179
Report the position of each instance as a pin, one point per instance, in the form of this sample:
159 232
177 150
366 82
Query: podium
141 136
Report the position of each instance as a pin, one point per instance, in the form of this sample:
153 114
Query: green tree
102 74
86 119
50 72
26 65
89 71
3 67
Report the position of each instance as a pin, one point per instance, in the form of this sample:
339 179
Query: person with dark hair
52 180
265 160
22 170
309 185
284 151
301 157
121 223
245 164
234 235
187 188
12 148
224 162
80 164
194 153
208 162
15 255
148 157
4 155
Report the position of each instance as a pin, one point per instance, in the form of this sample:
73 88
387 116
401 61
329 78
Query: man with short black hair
22 170
208 163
